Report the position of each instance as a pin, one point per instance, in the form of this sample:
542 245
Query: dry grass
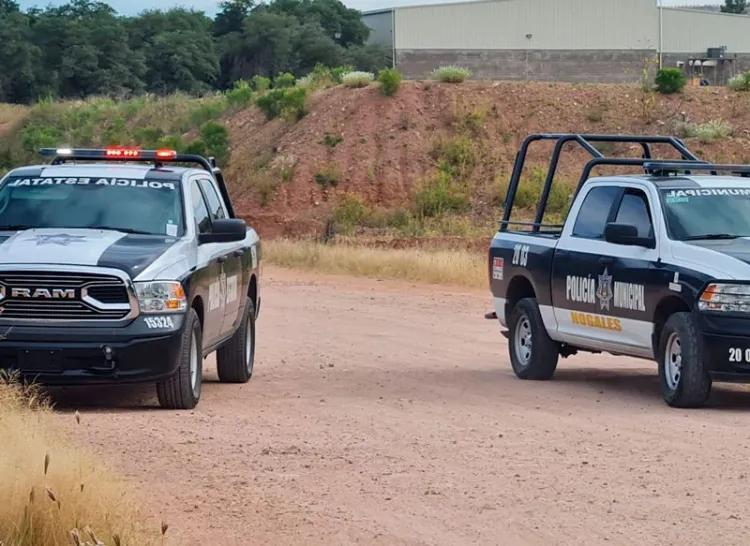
458 268
11 113
52 493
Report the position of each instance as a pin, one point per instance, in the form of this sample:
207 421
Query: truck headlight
160 297
729 298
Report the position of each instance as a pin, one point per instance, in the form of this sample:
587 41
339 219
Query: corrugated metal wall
381 27
687 31
553 25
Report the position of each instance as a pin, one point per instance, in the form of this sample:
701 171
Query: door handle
606 260
221 259
238 253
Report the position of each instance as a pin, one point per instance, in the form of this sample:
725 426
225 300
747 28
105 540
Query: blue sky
129 7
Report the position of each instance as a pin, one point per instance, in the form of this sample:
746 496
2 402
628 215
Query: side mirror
226 230
626 234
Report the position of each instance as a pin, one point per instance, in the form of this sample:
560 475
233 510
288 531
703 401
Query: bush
261 83
284 81
241 95
529 192
705 132
438 196
670 80
390 81
451 74
327 176
357 79
337 73
289 103
350 212
740 82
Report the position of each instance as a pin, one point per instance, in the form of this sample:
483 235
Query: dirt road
385 414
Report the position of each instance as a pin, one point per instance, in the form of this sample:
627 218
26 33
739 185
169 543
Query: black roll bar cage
656 167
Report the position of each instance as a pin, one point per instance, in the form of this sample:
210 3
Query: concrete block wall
613 66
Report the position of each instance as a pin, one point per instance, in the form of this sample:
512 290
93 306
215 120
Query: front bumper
143 351
726 343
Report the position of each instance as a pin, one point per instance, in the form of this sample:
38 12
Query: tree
232 16
734 6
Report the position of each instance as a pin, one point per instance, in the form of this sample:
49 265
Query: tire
236 358
527 329
683 374
182 390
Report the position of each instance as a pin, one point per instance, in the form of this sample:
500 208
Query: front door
231 256
208 279
601 290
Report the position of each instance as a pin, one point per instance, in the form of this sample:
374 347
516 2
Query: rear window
133 205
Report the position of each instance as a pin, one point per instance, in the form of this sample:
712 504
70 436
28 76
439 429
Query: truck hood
87 247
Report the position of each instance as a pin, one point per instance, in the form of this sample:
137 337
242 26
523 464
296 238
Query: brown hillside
388 145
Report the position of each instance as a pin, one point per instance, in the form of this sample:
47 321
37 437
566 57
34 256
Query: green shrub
327 176
216 138
241 95
350 212
451 74
261 83
740 82
529 192
283 81
357 79
455 155
439 195
390 81
670 80
289 103
705 132
337 73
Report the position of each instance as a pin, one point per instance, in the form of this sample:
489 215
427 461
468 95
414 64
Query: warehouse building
562 40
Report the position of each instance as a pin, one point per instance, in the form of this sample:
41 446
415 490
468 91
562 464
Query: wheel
683 374
533 354
182 390
235 359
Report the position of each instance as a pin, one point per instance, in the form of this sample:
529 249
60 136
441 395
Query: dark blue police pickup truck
654 265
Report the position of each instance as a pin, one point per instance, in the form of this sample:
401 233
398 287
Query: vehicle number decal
738 355
159 322
254 256
521 255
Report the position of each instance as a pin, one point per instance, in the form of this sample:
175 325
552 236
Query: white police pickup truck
654 265
121 266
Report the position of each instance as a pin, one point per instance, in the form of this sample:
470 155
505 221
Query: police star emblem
61 239
604 290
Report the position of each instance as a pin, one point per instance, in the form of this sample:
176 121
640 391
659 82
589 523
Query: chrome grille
93 297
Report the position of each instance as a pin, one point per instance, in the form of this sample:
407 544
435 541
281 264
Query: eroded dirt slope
388 145
386 414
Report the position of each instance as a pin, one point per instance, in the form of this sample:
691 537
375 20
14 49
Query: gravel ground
387 414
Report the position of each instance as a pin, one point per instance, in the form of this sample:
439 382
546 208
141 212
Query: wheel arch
666 307
197 305
519 287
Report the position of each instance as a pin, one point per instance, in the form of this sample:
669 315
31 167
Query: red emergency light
122 152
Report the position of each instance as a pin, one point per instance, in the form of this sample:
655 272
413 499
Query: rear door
232 259
600 290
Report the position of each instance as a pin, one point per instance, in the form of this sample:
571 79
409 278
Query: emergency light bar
115 153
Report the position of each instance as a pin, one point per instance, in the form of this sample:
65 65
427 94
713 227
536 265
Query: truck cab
126 266
653 266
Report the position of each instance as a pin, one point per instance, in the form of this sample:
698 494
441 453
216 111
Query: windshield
713 213
130 205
